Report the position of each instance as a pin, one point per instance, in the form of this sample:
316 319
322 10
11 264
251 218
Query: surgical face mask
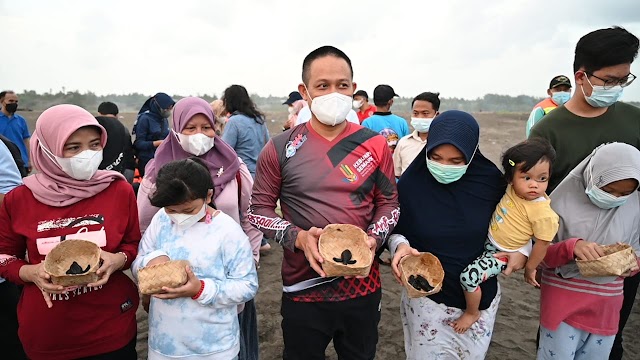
291 110
421 124
601 198
561 97
601 97
446 174
11 108
196 144
185 221
81 166
165 113
331 109
357 104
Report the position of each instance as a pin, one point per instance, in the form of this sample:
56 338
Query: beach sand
517 322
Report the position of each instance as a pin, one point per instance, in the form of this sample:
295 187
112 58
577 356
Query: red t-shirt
362 115
349 180
86 321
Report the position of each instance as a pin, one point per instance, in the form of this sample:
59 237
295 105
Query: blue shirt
9 174
391 127
15 129
247 137
148 128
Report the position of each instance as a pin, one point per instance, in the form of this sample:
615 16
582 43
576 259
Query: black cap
382 94
293 97
362 93
559 80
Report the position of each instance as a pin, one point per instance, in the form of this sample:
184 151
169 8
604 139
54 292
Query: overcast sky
459 48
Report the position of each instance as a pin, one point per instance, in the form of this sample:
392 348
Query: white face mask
331 109
185 221
196 144
291 110
81 166
357 104
421 124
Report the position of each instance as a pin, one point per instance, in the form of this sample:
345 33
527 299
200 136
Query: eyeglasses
609 83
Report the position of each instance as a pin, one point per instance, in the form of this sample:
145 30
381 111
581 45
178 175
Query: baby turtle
420 283
345 258
76 269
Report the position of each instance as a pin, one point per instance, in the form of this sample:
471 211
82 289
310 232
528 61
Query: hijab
156 104
451 220
52 186
580 218
221 160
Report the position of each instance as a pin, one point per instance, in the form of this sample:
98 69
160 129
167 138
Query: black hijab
451 220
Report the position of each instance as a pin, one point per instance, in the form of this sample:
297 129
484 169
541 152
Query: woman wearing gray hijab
598 204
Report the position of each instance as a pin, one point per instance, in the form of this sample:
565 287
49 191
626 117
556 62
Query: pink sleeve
255 235
146 211
560 253
131 238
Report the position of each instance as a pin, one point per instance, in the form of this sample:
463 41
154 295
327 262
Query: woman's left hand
190 289
515 261
110 263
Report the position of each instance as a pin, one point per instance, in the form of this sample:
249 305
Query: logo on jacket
349 175
294 145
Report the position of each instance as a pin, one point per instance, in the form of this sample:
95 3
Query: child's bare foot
465 321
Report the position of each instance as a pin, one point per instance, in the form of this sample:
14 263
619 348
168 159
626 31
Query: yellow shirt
517 220
406 151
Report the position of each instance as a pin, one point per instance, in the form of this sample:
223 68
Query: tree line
31 100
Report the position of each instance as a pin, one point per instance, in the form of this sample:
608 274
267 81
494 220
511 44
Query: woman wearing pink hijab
69 198
193 134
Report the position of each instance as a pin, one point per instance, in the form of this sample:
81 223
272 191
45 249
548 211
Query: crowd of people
214 186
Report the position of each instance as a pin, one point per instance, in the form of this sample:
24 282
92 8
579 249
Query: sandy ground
517 322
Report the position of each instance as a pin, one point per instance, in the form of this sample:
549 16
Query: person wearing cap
361 103
559 93
151 127
424 108
390 126
295 104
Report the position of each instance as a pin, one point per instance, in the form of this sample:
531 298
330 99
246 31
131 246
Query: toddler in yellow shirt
523 214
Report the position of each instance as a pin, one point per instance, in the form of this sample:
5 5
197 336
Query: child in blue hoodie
197 320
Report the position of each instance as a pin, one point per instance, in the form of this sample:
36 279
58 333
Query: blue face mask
446 174
601 97
601 198
421 124
561 97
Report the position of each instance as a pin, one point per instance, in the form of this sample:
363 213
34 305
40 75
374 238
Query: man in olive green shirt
594 116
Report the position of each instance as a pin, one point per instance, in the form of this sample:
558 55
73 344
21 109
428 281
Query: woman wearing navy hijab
151 127
447 197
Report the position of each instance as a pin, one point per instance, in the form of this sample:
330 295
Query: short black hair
108 108
181 181
526 155
605 47
320 53
362 93
433 98
4 93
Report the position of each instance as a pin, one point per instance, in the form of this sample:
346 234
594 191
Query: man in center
326 171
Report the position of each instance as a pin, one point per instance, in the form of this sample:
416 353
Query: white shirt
304 115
